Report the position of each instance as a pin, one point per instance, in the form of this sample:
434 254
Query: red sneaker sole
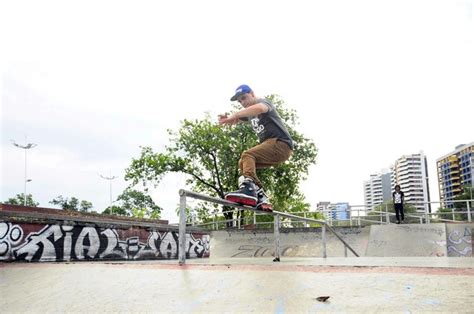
241 200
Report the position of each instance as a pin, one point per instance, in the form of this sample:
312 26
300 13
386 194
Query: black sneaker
245 195
263 203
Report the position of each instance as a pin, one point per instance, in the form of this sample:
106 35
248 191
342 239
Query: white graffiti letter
168 246
94 243
38 241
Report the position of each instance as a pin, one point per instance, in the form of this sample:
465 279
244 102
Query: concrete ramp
437 239
293 243
407 240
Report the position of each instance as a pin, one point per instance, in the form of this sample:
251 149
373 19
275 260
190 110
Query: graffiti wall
459 239
57 242
293 243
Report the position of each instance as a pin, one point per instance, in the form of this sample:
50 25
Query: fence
357 216
276 223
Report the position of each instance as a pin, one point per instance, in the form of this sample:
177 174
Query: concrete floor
241 286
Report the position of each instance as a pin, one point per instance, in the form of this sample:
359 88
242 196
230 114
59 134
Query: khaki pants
271 152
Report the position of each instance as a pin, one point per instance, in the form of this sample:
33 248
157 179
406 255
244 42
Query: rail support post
182 227
468 212
323 233
276 231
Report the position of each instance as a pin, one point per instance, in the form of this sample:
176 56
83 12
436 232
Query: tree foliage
209 155
19 199
72 203
136 204
468 193
115 210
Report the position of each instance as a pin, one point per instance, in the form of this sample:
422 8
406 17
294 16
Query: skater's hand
229 120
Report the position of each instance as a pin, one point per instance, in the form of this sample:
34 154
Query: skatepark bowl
387 268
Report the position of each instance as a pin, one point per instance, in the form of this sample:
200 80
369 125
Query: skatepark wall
294 242
437 239
49 235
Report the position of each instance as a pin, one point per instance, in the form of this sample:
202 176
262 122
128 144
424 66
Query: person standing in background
398 199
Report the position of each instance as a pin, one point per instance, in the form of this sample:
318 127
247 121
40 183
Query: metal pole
468 211
24 198
276 231
182 229
110 189
109 178
387 216
323 233
26 147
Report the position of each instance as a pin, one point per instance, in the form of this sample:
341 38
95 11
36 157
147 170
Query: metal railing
426 216
184 194
356 215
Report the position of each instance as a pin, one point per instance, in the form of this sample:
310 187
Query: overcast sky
92 81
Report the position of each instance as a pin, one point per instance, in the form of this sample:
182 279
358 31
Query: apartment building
377 189
455 170
411 173
337 211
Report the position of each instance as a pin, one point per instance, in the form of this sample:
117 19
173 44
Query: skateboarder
276 146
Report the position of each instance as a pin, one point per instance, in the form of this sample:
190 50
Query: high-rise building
411 173
455 170
341 211
337 211
377 189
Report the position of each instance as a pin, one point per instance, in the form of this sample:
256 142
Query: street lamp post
109 178
25 147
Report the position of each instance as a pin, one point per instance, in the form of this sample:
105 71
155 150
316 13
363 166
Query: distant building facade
455 170
377 189
341 211
336 211
411 173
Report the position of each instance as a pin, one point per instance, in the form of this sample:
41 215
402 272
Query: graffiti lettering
65 243
460 243
262 251
10 235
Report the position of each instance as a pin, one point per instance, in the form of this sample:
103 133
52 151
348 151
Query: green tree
209 154
85 206
71 204
19 199
468 192
138 204
115 210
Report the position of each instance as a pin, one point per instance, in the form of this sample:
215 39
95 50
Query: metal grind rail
183 194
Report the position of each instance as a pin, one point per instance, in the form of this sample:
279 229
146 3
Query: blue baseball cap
242 89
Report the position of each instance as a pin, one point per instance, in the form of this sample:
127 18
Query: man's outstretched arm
251 111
